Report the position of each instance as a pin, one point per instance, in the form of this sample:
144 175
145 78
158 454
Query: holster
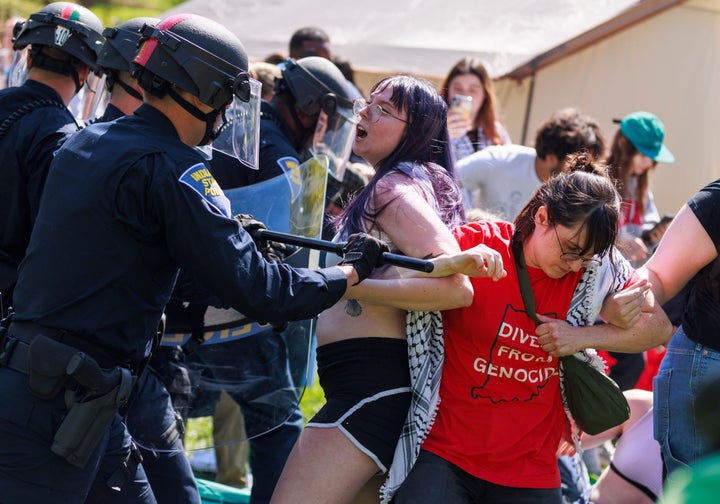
89 417
93 393
47 366
4 324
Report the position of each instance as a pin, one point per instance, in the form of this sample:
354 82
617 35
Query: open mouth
361 133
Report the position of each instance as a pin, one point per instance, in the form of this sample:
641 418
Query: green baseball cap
646 132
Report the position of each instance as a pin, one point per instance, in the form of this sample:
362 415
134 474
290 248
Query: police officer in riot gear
105 251
149 414
59 47
310 113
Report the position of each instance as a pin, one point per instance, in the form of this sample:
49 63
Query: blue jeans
268 454
435 480
685 369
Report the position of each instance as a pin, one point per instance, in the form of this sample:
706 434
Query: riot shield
262 367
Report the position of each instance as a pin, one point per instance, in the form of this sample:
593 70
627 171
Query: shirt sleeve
218 253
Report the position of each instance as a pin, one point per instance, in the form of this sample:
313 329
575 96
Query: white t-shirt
505 176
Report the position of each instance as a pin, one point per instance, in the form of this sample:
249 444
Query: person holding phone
473 116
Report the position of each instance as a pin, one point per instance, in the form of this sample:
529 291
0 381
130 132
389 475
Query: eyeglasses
373 111
572 256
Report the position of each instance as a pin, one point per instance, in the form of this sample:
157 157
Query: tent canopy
416 36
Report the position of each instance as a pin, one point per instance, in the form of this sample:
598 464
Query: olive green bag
595 401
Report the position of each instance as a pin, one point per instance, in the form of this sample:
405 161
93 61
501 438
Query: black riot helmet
119 51
321 91
195 54
316 84
67 26
202 57
121 44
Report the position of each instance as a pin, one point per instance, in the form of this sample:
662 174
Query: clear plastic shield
333 137
91 100
240 137
263 368
18 68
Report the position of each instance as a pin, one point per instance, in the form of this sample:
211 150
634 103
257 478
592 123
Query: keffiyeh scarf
425 353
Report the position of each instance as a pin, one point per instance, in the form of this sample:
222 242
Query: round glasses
572 256
373 112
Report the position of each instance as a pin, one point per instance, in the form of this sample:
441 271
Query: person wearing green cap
636 149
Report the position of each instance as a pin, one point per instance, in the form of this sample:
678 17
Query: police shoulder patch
199 178
288 164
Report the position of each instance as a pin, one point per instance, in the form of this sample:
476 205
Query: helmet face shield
18 68
188 66
91 100
333 137
240 137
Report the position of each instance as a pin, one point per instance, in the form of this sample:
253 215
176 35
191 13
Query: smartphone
463 104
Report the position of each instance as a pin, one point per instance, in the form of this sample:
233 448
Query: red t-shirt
501 417
631 213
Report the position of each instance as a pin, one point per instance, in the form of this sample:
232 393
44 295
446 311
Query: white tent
666 61
607 57
416 36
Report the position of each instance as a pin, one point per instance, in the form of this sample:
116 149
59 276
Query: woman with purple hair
372 354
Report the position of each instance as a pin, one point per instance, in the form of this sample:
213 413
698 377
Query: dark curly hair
581 193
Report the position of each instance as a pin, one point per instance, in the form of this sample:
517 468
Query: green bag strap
525 287
524 281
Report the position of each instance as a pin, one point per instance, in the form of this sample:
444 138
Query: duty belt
20 334
56 360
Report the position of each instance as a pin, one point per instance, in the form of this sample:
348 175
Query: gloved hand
363 252
249 224
270 250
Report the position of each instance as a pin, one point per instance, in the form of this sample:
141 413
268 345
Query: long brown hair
619 163
487 114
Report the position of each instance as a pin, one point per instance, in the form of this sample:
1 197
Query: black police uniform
258 355
34 122
126 203
156 427
277 149
110 114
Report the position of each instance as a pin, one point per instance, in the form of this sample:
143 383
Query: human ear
541 216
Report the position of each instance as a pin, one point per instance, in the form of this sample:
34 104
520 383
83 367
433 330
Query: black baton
337 248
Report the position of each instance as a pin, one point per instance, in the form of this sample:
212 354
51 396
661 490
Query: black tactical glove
271 251
363 252
249 224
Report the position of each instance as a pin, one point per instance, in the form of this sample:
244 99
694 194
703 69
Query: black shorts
367 387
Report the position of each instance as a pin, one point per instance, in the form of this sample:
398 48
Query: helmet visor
92 96
240 137
18 68
333 137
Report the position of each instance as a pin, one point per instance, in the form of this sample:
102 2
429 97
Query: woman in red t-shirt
501 417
